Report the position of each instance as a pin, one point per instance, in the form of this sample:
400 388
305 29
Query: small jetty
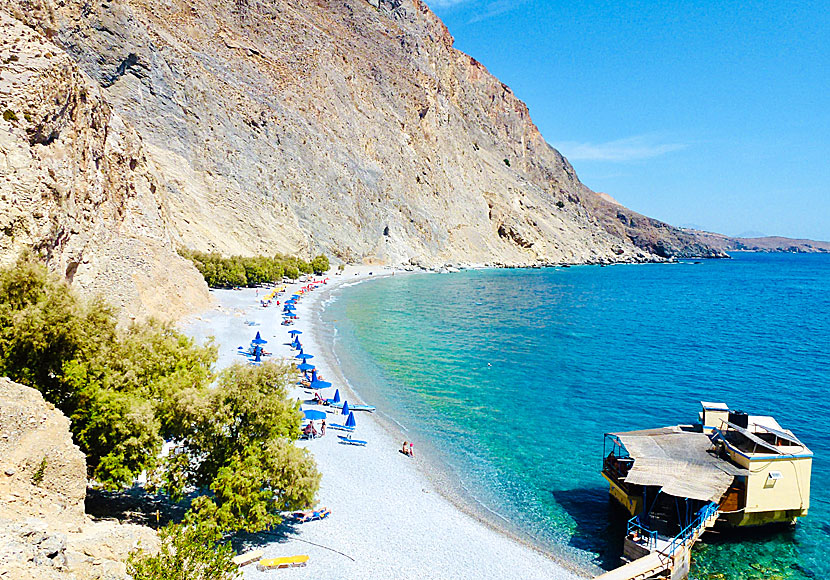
729 470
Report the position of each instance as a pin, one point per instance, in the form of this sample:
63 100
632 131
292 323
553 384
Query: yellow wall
791 492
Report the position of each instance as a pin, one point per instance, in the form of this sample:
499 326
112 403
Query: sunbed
248 558
340 427
339 405
286 562
350 441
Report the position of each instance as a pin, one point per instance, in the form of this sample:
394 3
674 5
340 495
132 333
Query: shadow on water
600 523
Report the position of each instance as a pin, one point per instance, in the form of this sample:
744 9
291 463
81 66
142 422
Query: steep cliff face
76 184
349 127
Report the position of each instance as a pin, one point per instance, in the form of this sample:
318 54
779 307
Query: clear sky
706 114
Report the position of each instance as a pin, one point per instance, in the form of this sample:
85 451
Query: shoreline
444 537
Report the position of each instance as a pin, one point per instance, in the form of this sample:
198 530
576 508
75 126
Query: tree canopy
128 390
223 272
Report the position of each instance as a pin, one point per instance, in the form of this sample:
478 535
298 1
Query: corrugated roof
678 461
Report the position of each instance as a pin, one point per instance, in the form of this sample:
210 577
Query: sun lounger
340 427
339 405
350 441
248 558
286 562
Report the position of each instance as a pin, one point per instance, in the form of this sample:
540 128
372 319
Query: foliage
187 553
128 390
320 264
115 386
507 162
241 447
560 204
222 272
8 115
37 476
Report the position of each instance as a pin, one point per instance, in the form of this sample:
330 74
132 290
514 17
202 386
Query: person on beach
405 448
411 450
323 428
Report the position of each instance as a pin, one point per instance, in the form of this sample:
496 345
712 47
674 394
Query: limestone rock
44 533
353 128
77 185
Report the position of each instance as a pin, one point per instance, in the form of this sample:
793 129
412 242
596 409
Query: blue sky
708 114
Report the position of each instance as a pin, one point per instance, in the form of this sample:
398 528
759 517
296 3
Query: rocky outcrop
44 533
76 184
760 244
353 128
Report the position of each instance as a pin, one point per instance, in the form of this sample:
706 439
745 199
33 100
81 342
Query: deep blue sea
510 378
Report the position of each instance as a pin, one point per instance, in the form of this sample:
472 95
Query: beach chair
248 558
349 441
285 562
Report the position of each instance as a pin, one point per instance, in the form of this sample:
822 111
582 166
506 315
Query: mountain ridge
351 128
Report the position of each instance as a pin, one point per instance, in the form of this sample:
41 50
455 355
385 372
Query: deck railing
703 516
649 536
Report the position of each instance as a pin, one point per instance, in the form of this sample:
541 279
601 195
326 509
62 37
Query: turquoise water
577 352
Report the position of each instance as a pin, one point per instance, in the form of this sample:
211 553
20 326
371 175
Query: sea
507 380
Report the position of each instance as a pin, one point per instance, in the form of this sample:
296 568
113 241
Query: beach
389 519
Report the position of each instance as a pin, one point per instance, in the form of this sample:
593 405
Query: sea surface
508 379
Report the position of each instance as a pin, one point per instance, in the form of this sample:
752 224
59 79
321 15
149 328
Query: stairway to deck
639 569
664 557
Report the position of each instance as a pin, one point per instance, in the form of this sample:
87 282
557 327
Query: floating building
730 470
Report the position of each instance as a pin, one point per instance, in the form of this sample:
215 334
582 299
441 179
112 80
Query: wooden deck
639 569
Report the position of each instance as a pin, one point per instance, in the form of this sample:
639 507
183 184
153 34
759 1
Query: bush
507 162
191 553
8 115
221 272
128 391
320 264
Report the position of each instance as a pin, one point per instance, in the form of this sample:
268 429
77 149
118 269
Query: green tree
186 553
242 448
320 264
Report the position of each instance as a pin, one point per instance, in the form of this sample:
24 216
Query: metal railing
650 536
703 515
635 527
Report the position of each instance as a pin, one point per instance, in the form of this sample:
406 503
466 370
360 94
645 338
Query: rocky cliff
247 126
44 532
77 185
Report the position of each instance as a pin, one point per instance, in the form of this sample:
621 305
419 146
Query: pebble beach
388 518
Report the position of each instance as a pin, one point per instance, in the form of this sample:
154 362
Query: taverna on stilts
729 470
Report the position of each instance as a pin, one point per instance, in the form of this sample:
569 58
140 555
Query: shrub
8 115
191 552
507 162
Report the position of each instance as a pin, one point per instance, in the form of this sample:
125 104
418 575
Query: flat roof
677 461
714 406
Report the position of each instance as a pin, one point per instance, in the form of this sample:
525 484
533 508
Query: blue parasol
345 410
257 352
336 398
304 356
314 415
305 367
259 339
350 421
319 385
295 332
